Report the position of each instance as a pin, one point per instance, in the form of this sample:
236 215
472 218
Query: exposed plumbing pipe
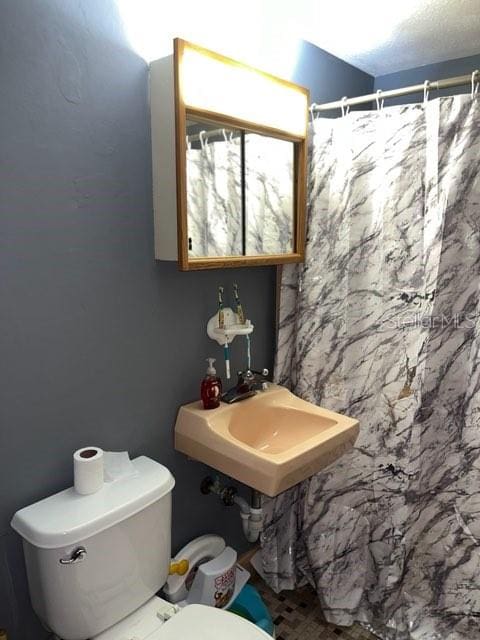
252 518
256 498
250 514
243 504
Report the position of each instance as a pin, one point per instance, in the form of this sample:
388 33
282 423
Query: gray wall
438 71
328 77
98 343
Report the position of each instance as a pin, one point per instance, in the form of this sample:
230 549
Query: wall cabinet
229 162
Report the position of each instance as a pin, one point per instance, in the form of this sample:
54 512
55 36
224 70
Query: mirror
214 191
269 195
240 192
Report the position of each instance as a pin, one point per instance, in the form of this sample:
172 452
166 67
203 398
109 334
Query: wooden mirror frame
182 113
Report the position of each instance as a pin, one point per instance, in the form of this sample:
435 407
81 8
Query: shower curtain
382 323
214 200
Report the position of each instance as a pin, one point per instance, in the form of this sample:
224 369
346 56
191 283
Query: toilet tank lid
67 518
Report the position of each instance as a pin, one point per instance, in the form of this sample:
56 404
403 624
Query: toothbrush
241 319
221 317
240 314
221 325
249 357
226 352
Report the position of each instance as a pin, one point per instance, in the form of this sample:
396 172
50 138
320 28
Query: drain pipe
250 514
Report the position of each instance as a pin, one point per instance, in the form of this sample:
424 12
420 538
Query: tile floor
297 616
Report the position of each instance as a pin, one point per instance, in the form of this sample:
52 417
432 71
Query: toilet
95 562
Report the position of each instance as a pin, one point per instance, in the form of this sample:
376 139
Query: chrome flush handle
76 556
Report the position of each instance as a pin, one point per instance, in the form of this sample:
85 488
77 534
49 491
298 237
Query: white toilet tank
118 542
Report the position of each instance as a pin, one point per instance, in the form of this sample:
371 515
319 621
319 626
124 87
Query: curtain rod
457 81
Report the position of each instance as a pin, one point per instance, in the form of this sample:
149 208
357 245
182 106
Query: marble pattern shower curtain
382 323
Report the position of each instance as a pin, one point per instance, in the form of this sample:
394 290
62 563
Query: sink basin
275 429
269 442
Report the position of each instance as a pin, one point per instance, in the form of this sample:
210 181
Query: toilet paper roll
88 470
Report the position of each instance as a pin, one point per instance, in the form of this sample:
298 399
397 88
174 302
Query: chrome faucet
248 383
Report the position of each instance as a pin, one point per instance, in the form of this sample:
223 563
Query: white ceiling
406 33
378 36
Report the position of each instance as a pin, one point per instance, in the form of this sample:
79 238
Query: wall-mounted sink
269 442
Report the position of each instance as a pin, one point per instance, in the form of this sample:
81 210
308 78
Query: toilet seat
158 619
199 622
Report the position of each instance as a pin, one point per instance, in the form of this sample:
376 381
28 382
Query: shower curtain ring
475 82
379 102
344 107
426 90
201 136
311 108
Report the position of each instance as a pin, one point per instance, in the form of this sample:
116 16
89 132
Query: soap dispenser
211 389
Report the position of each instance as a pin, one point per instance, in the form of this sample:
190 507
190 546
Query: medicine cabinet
229 162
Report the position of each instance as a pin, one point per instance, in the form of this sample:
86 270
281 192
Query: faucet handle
250 375
263 372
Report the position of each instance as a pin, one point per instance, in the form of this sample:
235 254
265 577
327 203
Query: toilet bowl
96 562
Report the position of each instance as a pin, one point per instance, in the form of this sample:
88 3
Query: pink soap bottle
211 388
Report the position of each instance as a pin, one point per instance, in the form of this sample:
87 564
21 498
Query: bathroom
102 343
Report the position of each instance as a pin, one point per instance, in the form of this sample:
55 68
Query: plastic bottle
211 388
